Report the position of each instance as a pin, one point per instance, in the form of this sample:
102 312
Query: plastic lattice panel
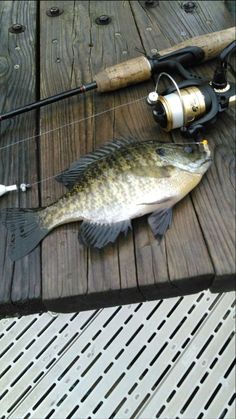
171 358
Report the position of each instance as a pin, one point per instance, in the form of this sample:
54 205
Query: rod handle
211 43
138 69
123 74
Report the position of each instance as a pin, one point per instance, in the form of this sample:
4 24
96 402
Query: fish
122 180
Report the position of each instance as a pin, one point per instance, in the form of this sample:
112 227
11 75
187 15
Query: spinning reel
194 103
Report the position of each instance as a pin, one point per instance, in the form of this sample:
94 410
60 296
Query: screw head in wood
151 3
54 11
103 20
189 6
17 28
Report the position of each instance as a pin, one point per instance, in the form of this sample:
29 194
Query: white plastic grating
165 359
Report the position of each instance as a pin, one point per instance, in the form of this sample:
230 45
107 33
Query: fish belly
153 194
139 199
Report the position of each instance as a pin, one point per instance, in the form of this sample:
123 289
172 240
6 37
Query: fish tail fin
25 228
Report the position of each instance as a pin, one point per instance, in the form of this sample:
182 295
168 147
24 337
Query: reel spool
180 108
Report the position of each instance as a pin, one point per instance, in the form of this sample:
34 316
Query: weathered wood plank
187 258
74 278
20 283
213 199
205 19
101 265
111 272
65 53
113 44
73 49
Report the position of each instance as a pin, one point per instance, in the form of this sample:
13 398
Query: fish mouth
210 159
203 165
200 167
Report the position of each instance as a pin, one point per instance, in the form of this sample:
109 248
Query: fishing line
23 187
163 145
72 123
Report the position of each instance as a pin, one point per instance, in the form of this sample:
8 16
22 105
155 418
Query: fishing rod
188 53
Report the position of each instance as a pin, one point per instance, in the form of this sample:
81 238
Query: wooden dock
56 53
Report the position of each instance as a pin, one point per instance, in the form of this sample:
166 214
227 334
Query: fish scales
108 188
117 178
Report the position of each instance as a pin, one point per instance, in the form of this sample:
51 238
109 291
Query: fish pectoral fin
99 235
159 222
161 201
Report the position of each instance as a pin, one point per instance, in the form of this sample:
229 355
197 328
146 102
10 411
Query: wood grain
193 250
20 283
182 263
199 249
112 271
184 247
115 264
65 53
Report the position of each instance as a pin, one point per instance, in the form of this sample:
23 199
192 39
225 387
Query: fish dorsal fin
71 175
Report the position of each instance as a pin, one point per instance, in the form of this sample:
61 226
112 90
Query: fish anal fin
99 235
160 221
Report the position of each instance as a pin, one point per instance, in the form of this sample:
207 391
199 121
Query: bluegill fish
122 180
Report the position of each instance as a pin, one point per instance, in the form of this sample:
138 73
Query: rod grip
211 43
138 69
123 74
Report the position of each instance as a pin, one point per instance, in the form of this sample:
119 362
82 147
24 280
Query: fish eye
160 151
188 149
